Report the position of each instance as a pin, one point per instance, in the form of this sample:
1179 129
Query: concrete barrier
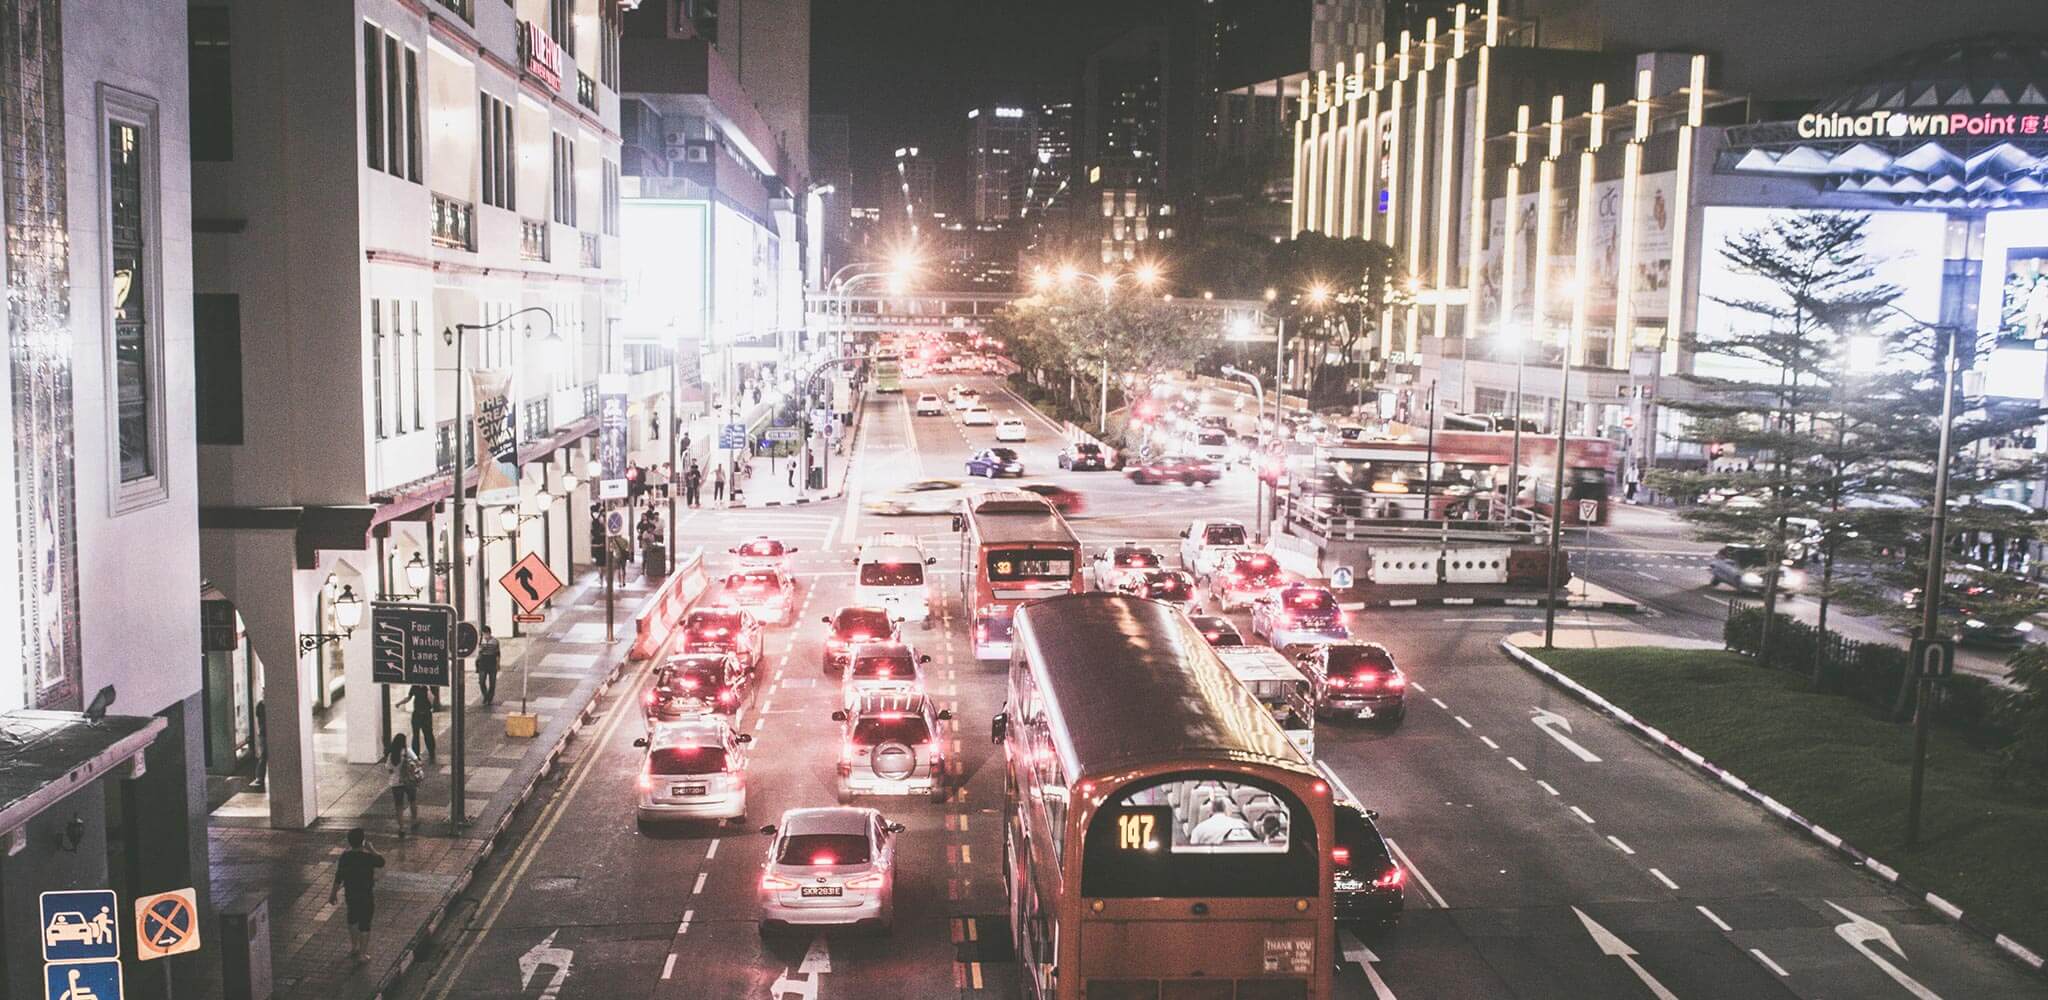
1402 564
664 608
1476 564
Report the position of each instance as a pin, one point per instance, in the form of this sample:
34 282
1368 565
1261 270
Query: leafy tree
1069 333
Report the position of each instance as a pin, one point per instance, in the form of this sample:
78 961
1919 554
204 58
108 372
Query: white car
929 405
763 552
1205 543
1112 565
831 865
694 769
977 416
1009 429
925 496
964 398
876 667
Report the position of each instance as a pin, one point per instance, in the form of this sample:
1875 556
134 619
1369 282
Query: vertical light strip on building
1623 347
1446 178
1313 220
1482 83
1369 167
1419 167
1294 202
1350 227
1695 114
1333 156
1540 263
1582 241
1510 280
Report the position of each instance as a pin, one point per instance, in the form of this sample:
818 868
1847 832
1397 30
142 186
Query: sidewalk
568 663
770 483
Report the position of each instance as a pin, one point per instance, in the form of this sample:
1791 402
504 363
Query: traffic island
1828 767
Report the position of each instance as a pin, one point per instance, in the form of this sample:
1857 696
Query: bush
1866 672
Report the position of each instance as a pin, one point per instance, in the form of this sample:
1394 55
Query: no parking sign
166 924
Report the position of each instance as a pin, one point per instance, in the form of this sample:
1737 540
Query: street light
1259 487
348 613
1564 398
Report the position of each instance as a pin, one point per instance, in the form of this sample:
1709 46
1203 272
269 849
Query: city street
1550 853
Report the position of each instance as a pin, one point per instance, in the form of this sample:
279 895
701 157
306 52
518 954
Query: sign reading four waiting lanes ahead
411 643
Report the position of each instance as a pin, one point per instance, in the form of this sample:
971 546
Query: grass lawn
1828 759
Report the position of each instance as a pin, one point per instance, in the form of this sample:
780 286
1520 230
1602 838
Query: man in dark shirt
356 872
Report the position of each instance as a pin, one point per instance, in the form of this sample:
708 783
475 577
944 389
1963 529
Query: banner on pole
497 438
611 436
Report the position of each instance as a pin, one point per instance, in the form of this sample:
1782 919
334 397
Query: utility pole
1564 400
1930 592
457 690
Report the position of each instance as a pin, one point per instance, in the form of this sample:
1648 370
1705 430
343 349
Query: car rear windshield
1136 557
1746 556
872 623
891 574
1224 534
1310 601
1368 851
1004 454
875 730
769 548
1348 659
1170 588
686 760
885 665
823 849
713 619
757 580
1087 449
696 677
1211 438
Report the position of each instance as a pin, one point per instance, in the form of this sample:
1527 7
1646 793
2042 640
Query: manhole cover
548 883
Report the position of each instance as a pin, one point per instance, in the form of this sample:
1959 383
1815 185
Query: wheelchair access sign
97 980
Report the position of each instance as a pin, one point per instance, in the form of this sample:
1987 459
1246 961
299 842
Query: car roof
699 730
876 702
697 659
884 646
826 819
894 552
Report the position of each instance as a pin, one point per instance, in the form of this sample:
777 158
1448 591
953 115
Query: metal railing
591 256
586 90
536 419
1329 516
454 223
589 399
533 239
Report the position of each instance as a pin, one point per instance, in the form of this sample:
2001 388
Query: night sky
906 71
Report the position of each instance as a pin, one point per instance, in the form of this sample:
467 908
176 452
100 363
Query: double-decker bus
1161 835
888 373
1475 462
1014 547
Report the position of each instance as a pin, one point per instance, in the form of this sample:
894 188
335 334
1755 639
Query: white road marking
1616 841
1768 964
1615 947
1519 766
1490 745
1440 704
1666 879
712 851
668 968
1860 932
1716 921
1556 726
1420 879
1546 786
699 890
684 927
1461 721
1581 813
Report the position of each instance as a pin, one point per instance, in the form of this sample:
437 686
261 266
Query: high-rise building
99 567
766 44
1003 148
832 164
912 192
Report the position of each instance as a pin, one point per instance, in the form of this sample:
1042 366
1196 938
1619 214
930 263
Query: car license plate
813 891
686 789
1366 713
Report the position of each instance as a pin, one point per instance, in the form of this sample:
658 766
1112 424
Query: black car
1218 631
1084 456
1356 679
693 683
1368 879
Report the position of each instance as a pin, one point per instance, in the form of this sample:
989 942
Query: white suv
694 769
1204 544
894 745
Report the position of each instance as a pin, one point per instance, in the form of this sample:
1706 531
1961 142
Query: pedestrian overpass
880 312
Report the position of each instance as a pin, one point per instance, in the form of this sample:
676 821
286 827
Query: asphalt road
1521 837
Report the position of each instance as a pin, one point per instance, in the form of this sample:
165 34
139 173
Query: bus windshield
1200 834
1013 565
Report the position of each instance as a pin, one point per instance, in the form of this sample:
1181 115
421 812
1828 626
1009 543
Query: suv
723 629
1112 566
696 683
850 626
893 746
1244 577
695 769
1203 544
1368 881
1358 679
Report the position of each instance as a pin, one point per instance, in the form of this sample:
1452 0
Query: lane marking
1419 689
1461 721
712 851
1616 841
701 876
1440 704
1490 745
1768 964
1420 879
668 968
1581 813
1666 879
684 927
1716 921
1546 786
974 974
1519 766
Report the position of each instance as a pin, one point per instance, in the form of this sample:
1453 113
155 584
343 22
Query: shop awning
47 756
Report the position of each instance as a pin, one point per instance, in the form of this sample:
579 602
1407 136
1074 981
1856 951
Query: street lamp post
825 457
1930 592
1145 275
1564 399
1259 482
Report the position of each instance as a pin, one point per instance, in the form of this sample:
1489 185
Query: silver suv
894 745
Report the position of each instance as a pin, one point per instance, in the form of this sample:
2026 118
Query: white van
1207 444
890 571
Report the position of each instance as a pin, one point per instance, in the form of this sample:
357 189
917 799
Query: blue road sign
1341 578
81 925
732 436
99 980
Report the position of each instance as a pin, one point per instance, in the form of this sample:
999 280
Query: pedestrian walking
622 552
356 874
422 719
718 485
487 665
693 482
406 775
792 475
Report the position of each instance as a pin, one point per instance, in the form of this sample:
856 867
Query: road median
1828 767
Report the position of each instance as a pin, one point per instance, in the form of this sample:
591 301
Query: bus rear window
891 574
1201 834
1012 565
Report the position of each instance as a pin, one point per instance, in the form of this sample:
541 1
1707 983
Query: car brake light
892 716
1392 878
872 880
650 696
777 882
1337 682
1366 680
727 697
1340 854
824 858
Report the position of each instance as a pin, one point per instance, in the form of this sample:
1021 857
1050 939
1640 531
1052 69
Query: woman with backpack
406 776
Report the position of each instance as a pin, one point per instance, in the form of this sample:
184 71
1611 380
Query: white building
376 172
100 577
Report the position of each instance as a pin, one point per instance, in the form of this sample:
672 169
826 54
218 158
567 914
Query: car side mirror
931 561
735 550
1183 532
732 580
641 742
769 829
945 715
827 619
743 738
839 715
924 657
998 726
893 827
792 550
1372 814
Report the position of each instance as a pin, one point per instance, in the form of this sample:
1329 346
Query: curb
1815 831
1570 604
410 952
859 423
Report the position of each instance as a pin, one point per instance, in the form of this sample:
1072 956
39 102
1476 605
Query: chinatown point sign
1907 125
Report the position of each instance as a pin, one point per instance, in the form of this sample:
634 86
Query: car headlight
2024 626
1973 623
1794 578
1751 579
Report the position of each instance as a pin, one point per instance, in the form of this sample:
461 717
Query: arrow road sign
1355 951
530 583
1557 726
1860 931
1614 947
166 924
546 954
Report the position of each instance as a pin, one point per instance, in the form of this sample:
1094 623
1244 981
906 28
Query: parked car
993 462
832 865
694 769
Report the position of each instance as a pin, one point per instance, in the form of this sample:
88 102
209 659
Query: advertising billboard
664 257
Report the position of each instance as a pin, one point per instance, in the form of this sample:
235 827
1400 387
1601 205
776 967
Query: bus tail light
1320 788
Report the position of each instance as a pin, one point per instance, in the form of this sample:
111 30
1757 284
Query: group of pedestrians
693 485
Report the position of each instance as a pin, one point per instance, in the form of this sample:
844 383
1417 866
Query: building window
494 126
391 104
377 365
134 290
562 23
213 129
565 180
419 420
611 198
217 367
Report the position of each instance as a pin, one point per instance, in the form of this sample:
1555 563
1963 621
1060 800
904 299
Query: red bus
1472 463
1014 547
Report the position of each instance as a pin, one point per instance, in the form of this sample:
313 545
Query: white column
361 709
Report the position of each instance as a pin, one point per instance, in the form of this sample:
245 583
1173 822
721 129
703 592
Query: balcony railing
586 90
454 223
536 419
591 255
444 447
533 239
461 8
590 399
